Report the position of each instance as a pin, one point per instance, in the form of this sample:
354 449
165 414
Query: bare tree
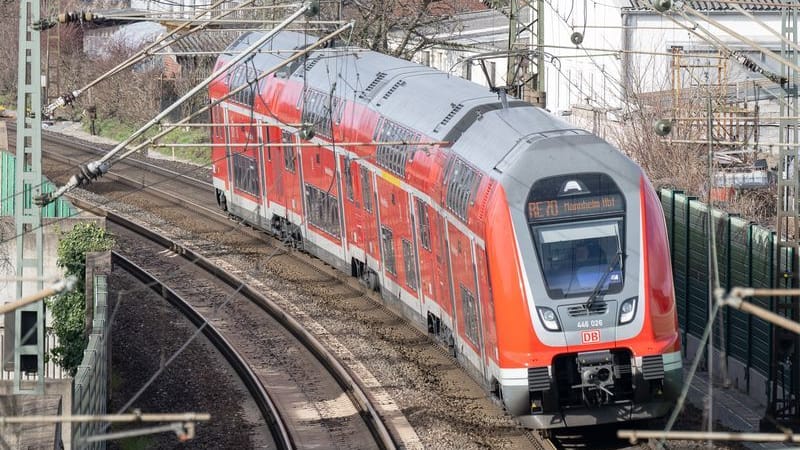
403 27
8 47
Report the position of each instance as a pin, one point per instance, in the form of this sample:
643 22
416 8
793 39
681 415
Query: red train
536 251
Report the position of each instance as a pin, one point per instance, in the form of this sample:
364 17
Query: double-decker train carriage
535 250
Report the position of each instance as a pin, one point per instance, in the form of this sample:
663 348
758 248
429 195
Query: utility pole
25 327
784 375
53 58
526 34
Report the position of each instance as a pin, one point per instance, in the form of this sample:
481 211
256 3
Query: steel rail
261 396
348 382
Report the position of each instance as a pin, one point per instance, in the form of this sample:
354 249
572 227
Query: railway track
252 366
416 383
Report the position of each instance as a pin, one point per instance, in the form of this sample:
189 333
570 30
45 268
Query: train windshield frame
575 256
577 223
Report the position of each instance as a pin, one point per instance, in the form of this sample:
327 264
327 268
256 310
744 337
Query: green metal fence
745 257
90 385
8 192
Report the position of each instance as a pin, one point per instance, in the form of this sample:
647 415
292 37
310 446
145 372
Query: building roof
205 41
718 5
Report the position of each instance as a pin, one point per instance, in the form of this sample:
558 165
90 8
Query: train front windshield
578 257
577 223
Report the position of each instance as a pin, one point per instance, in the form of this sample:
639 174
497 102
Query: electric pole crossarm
98 168
56 289
735 299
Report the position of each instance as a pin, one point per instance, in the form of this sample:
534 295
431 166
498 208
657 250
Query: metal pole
710 254
783 409
28 353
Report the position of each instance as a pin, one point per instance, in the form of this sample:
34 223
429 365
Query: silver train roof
442 106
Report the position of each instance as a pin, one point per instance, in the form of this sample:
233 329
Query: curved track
287 431
281 437
351 421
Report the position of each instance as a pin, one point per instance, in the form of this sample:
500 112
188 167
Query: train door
353 214
263 146
218 154
369 223
466 293
292 177
443 289
486 306
400 274
425 253
223 162
274 172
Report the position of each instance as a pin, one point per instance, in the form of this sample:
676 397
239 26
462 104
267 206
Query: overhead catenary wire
97 168
297 55
739 36
185 120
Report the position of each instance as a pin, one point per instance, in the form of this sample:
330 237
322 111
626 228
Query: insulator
663 127
576 38
662 5
90 172
44 24
313 8
306 132
80 16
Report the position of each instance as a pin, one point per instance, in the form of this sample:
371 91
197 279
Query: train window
461 188
410 265
322 210
288 150
578 257
424 225
470 314
245 174
318 110
388 250
394 152
366 189
348 179
244 74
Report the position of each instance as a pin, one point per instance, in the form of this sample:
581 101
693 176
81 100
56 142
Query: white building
178 8
628 49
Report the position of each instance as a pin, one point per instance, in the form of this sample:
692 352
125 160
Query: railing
51 369
90 385
745 257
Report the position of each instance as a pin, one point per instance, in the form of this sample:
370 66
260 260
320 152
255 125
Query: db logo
590 337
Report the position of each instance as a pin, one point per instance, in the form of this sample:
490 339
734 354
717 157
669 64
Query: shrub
69 309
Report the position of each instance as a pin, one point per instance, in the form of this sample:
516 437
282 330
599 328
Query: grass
7 101
118 131
136 443
116 381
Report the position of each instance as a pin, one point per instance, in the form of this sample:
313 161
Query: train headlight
549 319
627 310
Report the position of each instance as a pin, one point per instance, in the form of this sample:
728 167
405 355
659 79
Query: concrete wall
58 394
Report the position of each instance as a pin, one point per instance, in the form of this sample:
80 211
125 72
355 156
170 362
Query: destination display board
574 206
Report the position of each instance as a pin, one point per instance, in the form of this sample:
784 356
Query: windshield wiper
599 286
